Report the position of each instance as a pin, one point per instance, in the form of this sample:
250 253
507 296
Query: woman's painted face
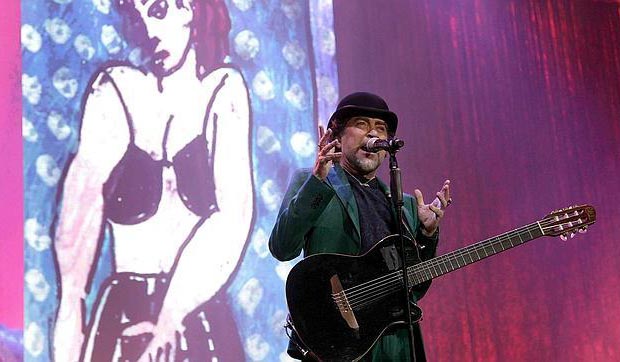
168 28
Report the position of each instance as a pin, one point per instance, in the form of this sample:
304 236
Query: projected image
158 140
154 167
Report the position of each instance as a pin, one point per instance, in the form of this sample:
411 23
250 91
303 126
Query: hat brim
346 112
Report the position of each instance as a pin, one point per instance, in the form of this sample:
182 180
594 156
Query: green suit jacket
322 217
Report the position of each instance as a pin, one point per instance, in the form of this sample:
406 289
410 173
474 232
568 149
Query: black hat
364 104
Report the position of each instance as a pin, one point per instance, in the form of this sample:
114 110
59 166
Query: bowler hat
364 104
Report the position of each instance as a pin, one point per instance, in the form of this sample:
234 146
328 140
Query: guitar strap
296 348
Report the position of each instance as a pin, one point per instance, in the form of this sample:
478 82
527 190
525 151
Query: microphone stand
396 189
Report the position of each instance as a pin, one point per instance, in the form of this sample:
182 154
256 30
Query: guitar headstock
568 221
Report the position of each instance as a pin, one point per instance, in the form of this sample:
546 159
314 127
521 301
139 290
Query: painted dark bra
134 188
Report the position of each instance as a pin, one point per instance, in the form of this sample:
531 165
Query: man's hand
431 214
326 155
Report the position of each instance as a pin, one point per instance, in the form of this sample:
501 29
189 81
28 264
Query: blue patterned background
63 44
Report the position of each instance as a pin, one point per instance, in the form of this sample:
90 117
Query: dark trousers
127 299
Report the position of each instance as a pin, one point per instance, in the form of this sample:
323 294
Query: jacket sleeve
428 244
303 203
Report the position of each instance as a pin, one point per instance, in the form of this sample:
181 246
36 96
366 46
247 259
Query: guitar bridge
342 303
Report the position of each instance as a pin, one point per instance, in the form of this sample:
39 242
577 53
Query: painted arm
103 140
215 250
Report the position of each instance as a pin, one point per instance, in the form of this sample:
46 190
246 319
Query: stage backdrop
11 195
252 78
518 103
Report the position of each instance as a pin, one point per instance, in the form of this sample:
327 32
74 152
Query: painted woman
164 166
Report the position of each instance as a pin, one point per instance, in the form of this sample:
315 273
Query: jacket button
317 200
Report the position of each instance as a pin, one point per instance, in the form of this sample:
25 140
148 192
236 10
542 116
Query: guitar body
340 305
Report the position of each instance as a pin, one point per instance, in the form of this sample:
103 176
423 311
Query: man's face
355 134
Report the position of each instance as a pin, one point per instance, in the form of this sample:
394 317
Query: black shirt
374 209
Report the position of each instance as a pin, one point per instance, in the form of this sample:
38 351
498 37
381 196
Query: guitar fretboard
459 258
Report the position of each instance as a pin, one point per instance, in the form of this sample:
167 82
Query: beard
364 165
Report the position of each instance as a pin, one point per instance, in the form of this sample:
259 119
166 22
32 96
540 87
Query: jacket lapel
406 212
409 219
338 180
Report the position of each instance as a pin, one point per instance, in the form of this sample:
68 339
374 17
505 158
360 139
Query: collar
337 178
362 181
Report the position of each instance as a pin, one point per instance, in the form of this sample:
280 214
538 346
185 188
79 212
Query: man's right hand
326 154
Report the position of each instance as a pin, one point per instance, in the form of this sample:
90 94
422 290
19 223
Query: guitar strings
363 289
390 288
376 288
372 290
353 289
492 242
469 250
360 298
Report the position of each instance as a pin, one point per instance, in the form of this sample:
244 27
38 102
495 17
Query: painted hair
209 31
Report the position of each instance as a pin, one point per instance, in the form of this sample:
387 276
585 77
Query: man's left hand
431 214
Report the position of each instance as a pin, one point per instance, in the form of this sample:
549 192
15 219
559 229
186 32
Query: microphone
376 144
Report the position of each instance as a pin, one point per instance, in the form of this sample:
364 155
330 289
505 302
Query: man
340 206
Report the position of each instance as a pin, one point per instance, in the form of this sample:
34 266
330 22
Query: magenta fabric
11 189
518 103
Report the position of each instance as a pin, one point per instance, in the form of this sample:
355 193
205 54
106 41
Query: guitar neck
459 258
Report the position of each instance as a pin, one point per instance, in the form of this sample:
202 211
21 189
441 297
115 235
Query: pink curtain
11 194
518 103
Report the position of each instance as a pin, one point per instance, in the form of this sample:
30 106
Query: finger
446 189
328 147
168 352
442 199
321 131
438 212
330 157
177 341
335 157
418 196
324 138
137 329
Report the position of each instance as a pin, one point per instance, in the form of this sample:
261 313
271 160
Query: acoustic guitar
340 305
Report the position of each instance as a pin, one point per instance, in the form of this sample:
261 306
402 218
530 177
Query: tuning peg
582 230
572 234
563 237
